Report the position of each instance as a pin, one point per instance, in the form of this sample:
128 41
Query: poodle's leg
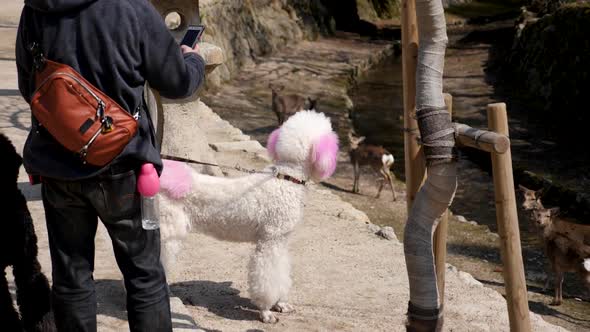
174 227
283 307
283 304
170 249
284 278
33 294
10 320
269 278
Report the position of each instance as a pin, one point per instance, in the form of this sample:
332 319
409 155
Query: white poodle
262 208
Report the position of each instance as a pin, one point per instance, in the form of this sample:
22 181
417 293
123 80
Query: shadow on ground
218 298
111 301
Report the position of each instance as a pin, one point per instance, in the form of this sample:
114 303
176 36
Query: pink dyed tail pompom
148 182
176 179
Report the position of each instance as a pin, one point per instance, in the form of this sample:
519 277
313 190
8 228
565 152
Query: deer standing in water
566 244
375 156
286 105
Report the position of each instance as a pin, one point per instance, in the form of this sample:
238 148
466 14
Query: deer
566 243
380 160
285 105
531 199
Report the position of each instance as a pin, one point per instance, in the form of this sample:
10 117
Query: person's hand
185 49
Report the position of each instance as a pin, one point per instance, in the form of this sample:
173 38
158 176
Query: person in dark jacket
117 45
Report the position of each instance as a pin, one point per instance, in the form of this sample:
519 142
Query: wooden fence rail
484 140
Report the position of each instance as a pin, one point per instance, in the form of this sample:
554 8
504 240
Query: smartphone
193 35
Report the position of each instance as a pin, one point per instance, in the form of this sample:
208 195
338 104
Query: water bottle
150 219
148 185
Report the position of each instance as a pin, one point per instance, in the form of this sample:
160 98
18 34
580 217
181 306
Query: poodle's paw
268 317
283 307
555 302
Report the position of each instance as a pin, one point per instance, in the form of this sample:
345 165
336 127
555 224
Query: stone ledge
212 54
184 138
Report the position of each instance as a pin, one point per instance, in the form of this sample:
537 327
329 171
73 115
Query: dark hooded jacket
117 45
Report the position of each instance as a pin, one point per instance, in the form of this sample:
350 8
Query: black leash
275 171
191 161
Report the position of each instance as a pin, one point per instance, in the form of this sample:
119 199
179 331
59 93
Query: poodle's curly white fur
258 208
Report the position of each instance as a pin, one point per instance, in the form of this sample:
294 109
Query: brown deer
531 199
375 156
286 105
566 244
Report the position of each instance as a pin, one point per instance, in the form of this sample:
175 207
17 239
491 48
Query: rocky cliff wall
551 59
248 29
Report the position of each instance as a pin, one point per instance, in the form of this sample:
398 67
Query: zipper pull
100 109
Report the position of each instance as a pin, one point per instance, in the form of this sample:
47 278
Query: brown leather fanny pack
78 115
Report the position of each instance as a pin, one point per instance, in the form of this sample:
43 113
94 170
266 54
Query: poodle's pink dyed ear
176 179
324 156
271 146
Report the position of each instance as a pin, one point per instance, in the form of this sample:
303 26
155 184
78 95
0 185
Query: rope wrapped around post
435 123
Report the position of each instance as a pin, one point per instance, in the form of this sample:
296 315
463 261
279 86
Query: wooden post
516 291
440 235
414 158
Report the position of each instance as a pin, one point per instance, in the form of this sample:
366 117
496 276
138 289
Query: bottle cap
148 182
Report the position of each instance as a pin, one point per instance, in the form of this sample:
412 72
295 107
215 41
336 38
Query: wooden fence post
506 217
414 158
440 235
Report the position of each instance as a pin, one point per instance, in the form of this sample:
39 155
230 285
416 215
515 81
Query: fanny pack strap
34 42
35 50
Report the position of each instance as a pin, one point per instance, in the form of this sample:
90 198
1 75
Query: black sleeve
24 61
165 68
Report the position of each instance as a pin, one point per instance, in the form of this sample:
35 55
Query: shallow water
378 115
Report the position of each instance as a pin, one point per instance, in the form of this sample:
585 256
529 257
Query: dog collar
281 176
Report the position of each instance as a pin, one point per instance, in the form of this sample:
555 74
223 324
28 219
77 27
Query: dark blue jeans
71 210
